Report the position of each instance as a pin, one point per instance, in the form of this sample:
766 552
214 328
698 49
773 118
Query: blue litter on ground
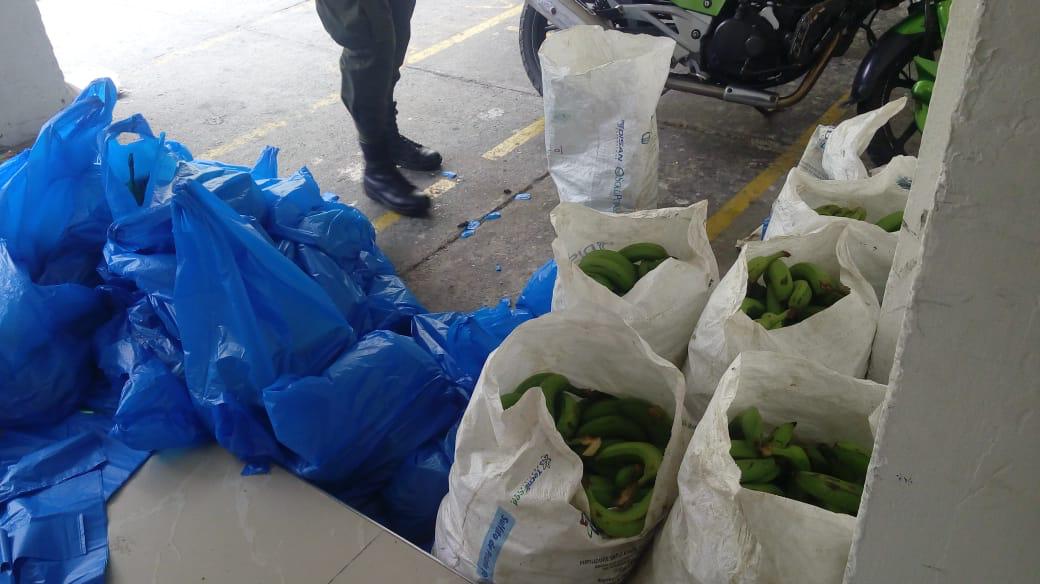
449 174
522 197
473 224
467 233
180 281
498 267
492 216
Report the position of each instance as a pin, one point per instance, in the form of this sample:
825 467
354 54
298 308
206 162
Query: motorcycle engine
744 48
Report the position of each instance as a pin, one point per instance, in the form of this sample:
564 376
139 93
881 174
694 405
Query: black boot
409 153
384 184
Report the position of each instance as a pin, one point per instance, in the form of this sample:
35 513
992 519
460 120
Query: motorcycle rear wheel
533 29
900 136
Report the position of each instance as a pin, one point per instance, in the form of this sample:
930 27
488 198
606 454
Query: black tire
533 29
899 137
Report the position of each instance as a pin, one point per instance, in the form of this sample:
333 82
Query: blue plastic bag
536 296
354 424
133 173
44 346
53 212
247 316
461 342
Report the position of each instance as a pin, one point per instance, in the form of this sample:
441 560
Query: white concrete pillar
32 87
954 489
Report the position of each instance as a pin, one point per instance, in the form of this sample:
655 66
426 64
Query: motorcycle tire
533 29
900 136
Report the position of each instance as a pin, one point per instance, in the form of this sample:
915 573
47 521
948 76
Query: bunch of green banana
890 223
620 270
788 295
621 443
826 475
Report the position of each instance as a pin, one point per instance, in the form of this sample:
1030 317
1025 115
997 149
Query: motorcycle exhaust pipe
752 97
564 14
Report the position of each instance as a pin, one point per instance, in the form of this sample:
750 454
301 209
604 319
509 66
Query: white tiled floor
191 517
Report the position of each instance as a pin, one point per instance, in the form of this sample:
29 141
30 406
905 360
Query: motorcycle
742 51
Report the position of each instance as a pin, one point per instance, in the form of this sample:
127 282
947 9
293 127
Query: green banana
753 308
627 475
605 407
831 298
653 419
836 494
795 492
639 252
794 455
758 470
827 209
570 416
613 427
742 449
771 321
586 446
647 266
757 266
892 222
552 387
509 400
765 488
782 434
750 424
600 488
756 291
533 381
643 453
818 278
844 212
602 280
850 461
619 523
801 295
817 460
773 304
778 279
611 265
859 214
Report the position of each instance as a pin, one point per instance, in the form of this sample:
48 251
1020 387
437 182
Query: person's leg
407 153
366 31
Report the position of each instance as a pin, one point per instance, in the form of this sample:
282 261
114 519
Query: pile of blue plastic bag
149 301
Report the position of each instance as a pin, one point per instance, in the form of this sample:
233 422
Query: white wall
954 489
32 87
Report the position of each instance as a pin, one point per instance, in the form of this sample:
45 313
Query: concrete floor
228 77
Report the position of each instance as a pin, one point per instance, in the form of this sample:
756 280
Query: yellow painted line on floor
458 38
334 98
787 160
516 140
198 47
435 190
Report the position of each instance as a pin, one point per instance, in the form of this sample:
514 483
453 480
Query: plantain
611 265
892 222
653 419
757 266
613 427
627 475
756 291
778 279
605 407
849 461
792 455
647 266
835 494
743 449
827 209
859 214
771 321
570 416
817 460
644 453
619 522
753 308
600 488
831 298
801 295
602 280
782 434
639 252
749 424
765 488
773 304
757 470
818 278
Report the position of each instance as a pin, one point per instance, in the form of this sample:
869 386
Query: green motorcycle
745 51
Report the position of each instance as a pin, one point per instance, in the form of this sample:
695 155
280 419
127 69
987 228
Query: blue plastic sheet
53 214
461 342
536 296
44 346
